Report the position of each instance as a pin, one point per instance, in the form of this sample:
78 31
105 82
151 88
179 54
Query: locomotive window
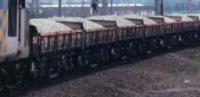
1 21
12 18
22 3
1 11
1 4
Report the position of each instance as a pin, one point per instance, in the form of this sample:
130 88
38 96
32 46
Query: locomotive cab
14 37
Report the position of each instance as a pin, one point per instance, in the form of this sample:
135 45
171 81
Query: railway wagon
110 41
46 48
196 18
190 24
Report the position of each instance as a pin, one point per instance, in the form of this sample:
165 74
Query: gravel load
184 18
48 25
188 15
196 15
121 22
86 23
166 19
146 20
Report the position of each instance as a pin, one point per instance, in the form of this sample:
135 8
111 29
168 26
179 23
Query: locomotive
47 48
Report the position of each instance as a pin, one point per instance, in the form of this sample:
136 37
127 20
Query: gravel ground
169 75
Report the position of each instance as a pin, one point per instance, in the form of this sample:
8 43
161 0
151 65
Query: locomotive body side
14 40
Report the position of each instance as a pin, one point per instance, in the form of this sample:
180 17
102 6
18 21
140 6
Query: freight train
47 48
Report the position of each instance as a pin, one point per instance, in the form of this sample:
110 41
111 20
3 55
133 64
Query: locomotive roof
166 19
47 25
121 22
86 23
146 21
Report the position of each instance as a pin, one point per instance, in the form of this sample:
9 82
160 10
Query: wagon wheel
192 37
143 48
167 42
70 63
60 66
86 60
93 60
66 64
163 43
135 50
2 80
83 60
124 51
41 70
80 62
196 36
140 48
180 39
104 56
100 57
1 85
157 44
173 40
160 44
131 50
13 78
113 53
52 69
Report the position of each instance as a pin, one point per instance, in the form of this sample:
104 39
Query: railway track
86 71
113 74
